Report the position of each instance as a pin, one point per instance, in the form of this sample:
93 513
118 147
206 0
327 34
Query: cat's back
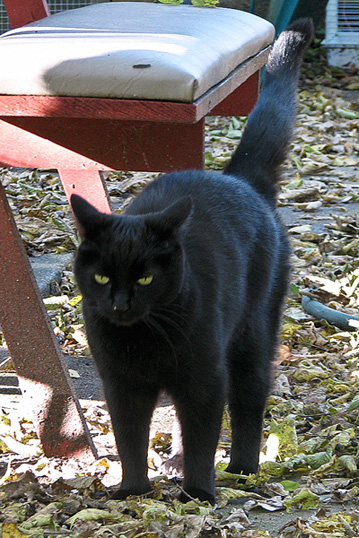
217 199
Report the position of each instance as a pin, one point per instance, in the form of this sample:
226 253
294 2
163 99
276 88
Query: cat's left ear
169 220
87 216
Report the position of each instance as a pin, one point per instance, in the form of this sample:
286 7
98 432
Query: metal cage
342 33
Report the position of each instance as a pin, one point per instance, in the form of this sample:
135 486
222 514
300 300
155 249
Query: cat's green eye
102 279
145 281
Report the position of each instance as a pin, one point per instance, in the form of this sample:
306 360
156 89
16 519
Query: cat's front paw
122 494
200 494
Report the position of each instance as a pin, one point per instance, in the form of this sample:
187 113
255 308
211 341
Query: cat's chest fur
149 351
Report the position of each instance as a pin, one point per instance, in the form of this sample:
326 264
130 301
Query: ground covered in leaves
309 469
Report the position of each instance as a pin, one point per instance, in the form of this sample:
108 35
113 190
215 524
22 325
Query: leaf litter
309 461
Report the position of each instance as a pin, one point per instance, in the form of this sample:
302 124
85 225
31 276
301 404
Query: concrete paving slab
82 372
321 220
48 270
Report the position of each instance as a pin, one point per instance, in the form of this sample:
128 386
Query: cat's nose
121 303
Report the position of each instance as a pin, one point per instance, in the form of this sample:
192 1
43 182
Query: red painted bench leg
42 372
88 184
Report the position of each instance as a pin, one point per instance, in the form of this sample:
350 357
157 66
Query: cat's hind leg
249 384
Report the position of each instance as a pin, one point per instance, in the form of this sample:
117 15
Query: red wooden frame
42 372
81 136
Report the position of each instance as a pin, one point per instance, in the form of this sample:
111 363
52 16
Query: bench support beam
41 369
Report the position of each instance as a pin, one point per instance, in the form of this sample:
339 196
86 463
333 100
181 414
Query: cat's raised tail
269 130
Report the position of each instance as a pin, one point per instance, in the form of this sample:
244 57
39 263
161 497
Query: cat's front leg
200 414
249 383
131 409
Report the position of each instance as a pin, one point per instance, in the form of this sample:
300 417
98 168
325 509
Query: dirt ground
88 389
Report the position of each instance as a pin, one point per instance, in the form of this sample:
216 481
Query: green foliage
174 2
305 500
205 3
197 3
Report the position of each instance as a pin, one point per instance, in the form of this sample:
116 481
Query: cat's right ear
87 216
169 221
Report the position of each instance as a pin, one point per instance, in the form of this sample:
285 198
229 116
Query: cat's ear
87 216
169 220
177 213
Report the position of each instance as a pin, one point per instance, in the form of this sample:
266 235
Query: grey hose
334 317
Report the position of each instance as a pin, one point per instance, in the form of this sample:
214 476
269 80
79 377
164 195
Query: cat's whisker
163 333
181 318
150 328
171 322
171 310
170 314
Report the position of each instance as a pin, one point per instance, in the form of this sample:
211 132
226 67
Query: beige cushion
131 50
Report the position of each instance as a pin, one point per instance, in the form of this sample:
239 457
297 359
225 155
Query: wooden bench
113 86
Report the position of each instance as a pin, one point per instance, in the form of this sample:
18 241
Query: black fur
205 328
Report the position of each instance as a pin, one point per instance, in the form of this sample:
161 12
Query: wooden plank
41 369
21 12
85 144
96 108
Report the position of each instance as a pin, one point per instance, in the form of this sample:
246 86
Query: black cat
184 291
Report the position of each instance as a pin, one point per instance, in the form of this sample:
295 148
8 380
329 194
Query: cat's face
127 266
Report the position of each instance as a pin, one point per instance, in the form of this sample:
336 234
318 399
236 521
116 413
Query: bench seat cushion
130 50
